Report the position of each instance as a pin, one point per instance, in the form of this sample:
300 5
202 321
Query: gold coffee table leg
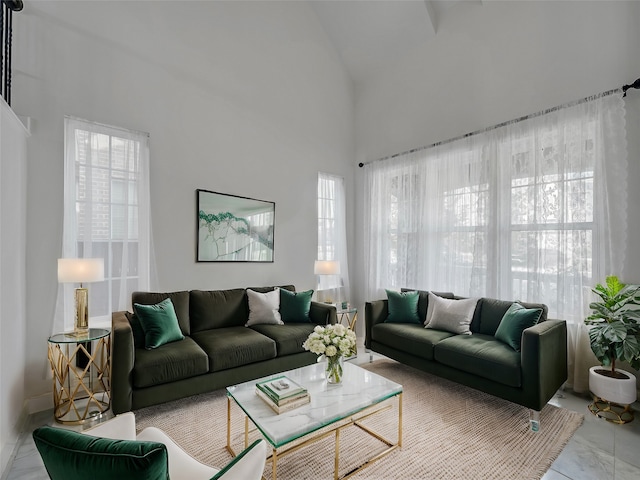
229 449
274 467
246 432
400 420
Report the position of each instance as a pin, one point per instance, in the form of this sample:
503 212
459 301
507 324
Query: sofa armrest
544 360
122 360
120 427
323 313
374 312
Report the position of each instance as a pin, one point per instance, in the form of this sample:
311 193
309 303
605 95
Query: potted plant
614 335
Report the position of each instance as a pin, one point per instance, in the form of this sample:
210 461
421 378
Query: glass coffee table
332 408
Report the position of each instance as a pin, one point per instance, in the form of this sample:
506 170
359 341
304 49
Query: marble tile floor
598 450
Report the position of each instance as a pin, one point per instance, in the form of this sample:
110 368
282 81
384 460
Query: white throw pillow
450 315
264 308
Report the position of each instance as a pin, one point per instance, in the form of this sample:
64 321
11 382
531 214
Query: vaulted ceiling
371 34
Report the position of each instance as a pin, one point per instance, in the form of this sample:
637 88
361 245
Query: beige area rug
449 432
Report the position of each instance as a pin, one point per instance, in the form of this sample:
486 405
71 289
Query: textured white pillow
451 315
264 308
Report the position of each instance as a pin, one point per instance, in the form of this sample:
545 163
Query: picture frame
231 228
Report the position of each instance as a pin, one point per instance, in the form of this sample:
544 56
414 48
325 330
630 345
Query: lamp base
81 325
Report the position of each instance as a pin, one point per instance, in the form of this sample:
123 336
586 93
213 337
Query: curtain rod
622 89
106 125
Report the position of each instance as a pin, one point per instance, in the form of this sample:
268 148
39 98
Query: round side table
81 367
349 318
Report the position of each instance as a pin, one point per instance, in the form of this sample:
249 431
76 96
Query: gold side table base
611 412
349 319
81 368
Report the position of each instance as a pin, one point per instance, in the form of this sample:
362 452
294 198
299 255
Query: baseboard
10 448
39 403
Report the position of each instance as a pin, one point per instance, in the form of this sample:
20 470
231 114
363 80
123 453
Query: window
332 235
107 211
520 212
552 217
326 217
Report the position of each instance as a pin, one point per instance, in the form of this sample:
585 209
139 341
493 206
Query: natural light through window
107 209
519 212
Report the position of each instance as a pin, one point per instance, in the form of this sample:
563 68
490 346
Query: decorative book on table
281 389
282 393
298 402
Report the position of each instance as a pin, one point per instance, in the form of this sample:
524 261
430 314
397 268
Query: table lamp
326 267
81 270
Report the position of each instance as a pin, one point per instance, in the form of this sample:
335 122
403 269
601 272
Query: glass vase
334 369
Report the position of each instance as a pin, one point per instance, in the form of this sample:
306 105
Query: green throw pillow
71 455
403 307
295 306
159 322
514 322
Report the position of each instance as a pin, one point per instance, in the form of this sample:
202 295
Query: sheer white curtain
106 215
332 233
533 211
428 221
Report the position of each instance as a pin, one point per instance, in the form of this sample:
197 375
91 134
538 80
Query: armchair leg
534 420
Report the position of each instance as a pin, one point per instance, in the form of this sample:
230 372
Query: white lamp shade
80 270
326 267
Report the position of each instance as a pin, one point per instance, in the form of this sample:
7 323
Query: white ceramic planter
620 391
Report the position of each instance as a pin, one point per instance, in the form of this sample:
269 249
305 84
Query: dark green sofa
217 351
529 378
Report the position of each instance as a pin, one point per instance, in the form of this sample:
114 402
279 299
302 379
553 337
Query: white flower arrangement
331 341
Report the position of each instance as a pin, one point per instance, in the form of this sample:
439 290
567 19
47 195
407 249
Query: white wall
13 196
238 97
495 62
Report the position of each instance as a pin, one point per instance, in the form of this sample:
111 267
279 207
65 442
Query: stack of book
282 394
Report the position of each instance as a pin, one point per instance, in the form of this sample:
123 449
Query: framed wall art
233 228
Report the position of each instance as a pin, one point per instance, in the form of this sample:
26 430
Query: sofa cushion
234 347
222 308
514 322
159 323
171 362
423 300
289 288
289 338
492 311
218 309
264 307
403 307
73 455
180 302
481 355
451 315
409 337
295 306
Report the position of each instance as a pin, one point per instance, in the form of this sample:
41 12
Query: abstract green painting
233 228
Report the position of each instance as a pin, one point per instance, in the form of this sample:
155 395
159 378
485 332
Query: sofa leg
534 420
370 356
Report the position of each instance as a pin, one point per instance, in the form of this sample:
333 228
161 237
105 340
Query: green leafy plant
615 324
